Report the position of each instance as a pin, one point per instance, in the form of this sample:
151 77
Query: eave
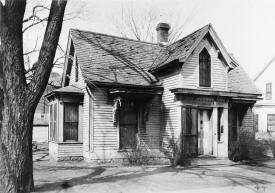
215 93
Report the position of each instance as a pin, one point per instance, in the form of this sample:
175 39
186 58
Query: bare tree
19 98
142 25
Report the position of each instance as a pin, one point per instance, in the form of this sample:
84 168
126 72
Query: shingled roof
239 81
115 60
178 49
111 59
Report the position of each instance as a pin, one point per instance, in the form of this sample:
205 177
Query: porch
66 120
211 120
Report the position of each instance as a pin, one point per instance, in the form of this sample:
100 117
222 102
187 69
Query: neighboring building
41 115
265 109
119 93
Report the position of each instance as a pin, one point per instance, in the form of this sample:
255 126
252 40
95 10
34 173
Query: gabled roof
182 49
239 81
110 59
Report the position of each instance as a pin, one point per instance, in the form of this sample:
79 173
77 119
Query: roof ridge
207 25
124 38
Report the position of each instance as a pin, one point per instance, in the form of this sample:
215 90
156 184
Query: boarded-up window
271 122
204 68
127 125
53 122
70 122
268 95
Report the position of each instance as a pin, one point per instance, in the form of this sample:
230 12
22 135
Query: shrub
246 148
139 156
178 155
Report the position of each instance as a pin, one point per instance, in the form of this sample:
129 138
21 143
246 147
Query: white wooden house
265 109
119 93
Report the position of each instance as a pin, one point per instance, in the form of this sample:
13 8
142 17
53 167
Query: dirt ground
81 177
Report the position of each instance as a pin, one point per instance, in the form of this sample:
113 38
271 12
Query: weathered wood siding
170 112
103 142
62 151
190 70
80 83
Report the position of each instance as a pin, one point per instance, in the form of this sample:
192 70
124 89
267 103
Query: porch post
224 151
214 130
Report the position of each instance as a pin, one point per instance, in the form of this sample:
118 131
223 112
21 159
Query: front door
127 125
205 146
190 131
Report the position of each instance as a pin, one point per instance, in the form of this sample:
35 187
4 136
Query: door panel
190 130
204 133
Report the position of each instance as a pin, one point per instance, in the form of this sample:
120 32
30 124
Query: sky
246 27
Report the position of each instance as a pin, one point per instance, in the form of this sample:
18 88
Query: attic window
204 69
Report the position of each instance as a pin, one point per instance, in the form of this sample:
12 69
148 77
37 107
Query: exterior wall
101 137
171 113
65 151
80 83
190 70
264 107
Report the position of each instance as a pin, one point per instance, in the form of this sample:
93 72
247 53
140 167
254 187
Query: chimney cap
163 26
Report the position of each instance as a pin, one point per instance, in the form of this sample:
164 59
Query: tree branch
47 52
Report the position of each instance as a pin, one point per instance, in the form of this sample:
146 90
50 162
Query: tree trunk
15 155
18 99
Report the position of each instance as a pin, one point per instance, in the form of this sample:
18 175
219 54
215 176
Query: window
127 125
53 122
268 90
204 69
271 122
70 122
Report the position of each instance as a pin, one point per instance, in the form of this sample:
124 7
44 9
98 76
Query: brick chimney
162 33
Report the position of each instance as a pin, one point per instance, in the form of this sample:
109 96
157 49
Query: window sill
70 142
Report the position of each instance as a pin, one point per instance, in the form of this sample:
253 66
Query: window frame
268 91
204 80
75 138
268 123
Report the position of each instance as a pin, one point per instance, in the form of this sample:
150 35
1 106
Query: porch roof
216 93
68 90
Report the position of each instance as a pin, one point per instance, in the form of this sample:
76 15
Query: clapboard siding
69 150
105 133
80 83
86 122
170 111
65 150
190 70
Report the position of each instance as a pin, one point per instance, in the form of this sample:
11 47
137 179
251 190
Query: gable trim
216 39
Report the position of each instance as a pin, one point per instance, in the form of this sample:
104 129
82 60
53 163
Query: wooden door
127 125
190 131
204 133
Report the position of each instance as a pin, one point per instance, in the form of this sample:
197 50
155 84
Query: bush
139 156
178 155
246 148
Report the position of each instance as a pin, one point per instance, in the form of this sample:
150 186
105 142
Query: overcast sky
246 27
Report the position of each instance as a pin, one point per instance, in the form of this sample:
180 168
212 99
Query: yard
80 177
